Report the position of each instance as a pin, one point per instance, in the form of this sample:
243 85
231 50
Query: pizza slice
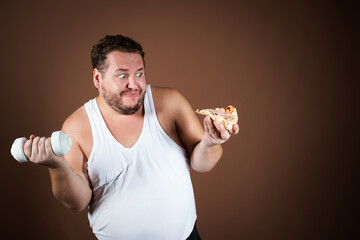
225 116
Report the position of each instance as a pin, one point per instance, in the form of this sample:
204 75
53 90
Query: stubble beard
116 103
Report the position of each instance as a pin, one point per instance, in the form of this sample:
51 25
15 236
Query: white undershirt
143 192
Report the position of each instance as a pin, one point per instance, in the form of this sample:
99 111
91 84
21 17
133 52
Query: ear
97 78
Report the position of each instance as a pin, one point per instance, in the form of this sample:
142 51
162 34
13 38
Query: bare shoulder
177 117
77 121
163 91
77 126
167 99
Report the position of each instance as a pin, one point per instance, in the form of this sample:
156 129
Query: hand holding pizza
223 126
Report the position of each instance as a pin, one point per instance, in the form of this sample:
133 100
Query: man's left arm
202 144
208 151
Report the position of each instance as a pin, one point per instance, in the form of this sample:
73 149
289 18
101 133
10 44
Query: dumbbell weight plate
17 150
60 143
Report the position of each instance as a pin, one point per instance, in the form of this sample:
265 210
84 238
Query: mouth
130 94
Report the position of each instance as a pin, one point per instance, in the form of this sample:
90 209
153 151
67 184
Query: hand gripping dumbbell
60 144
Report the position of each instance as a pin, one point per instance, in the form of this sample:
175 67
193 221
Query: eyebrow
125 70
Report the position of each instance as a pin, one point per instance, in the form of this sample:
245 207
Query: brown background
290 68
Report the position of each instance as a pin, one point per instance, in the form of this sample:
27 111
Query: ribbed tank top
142 192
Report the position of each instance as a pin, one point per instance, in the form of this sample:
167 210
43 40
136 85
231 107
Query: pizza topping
225 116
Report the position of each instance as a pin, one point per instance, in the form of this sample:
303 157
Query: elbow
74 205
76 209
204 163
203 168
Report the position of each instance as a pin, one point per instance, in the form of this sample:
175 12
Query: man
132 147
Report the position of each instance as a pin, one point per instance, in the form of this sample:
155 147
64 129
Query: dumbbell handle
60 144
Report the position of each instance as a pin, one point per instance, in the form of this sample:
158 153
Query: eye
139 74
122 76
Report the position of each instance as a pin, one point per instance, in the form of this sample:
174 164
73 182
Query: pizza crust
225 116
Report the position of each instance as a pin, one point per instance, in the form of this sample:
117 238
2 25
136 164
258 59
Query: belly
147 209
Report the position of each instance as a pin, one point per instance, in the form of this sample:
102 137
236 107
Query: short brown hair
110 43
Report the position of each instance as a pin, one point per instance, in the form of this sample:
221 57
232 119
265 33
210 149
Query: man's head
118 73
113 43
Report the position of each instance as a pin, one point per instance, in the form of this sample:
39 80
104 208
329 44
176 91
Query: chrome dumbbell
60 144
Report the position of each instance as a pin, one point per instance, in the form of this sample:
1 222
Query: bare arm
208 151
70 183
203 147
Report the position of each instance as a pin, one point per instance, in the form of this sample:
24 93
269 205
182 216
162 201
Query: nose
131 84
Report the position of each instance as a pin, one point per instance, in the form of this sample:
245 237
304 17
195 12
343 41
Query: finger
236 129
225 135
34 148
27 148
41 146
206 127
223 132
48 148
32 136
209 127
218 126
213 131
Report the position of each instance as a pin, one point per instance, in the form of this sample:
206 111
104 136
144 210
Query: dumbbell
60 144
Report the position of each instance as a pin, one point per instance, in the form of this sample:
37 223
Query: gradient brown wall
290 68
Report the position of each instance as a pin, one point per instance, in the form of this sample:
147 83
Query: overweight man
132 149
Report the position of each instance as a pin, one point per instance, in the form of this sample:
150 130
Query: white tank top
143 192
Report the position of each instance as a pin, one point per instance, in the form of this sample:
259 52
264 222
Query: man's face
122 83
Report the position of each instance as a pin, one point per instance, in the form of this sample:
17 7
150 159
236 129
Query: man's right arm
69 178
